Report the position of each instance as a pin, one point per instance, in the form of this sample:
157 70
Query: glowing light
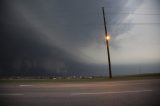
107 37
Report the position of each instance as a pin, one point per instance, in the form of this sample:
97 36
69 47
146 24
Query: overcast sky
66 37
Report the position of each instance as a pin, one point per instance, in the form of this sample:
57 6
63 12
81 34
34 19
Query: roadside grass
85 79
138 77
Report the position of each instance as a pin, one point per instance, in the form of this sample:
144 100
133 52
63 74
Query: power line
134 13
124 8
115 24
133 23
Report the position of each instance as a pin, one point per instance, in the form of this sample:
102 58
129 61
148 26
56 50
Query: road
110 93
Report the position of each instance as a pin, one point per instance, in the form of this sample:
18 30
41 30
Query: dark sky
66 37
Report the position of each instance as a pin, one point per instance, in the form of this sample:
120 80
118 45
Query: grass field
85 79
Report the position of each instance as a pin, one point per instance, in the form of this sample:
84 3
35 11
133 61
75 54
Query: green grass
95 79
138 77
6 81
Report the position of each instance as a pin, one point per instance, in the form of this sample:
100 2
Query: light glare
107 37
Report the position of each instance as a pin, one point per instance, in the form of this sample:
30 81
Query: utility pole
107 37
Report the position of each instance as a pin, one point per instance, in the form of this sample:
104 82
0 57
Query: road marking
25 85
118 92
126 84
12 94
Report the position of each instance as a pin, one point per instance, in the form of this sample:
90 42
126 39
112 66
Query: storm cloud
66 37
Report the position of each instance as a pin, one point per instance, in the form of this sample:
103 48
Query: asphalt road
112 93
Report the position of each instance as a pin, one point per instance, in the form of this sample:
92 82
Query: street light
108 37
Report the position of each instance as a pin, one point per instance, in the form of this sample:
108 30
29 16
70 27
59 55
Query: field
77 79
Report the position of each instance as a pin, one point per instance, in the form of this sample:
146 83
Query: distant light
107 37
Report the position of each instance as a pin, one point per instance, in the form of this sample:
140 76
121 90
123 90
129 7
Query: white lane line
25 85
11 94
118 92
126 84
